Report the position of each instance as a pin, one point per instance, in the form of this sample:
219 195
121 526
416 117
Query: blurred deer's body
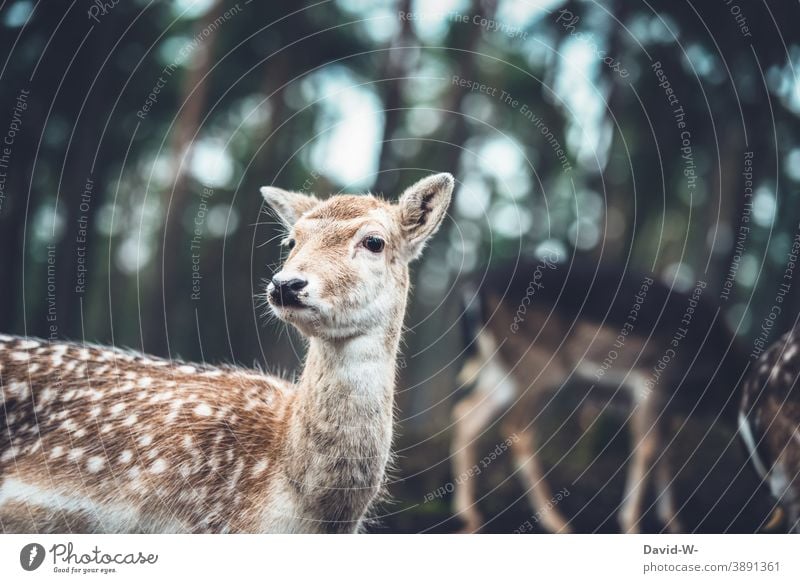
543 323
769 421
95 439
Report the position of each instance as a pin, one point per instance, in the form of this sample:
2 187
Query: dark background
350 96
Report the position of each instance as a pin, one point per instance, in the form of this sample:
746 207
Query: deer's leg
645 445
472 415
666 505
784 482
524 449
793 514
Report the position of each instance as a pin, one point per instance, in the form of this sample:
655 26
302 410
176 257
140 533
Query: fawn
96 439
533 326
769 422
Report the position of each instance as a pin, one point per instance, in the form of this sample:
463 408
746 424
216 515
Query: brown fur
114 425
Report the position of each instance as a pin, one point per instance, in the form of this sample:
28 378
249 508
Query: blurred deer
96 439
769 422
534 326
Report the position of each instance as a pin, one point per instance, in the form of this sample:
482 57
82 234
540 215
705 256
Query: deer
98 439
533 326
769 424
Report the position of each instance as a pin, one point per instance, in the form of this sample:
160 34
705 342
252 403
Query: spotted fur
769 421
86 429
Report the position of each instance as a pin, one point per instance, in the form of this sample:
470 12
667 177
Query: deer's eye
373 243
290 244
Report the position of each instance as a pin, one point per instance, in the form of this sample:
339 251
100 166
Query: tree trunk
173 251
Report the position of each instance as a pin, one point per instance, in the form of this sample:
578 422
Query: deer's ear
422 208
288 206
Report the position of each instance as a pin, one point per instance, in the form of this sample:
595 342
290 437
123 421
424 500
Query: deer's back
99 439
558 316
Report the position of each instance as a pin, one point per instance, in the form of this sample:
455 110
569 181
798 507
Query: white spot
174 410
21 356
203 410
158 466
187 441
130 420
95 412
186 369
237 472
118 408
75 454
125 387
9 454
33 368
19 389
750 443
56 452
259 468
69 425
126 456
145 382
94 464
778 480
145 440
107 428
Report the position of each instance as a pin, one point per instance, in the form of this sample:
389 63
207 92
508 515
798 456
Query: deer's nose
285 289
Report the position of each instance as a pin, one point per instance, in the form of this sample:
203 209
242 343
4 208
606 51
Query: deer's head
346 273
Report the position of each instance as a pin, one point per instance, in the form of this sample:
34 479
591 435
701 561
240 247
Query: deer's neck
349 379
341 428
